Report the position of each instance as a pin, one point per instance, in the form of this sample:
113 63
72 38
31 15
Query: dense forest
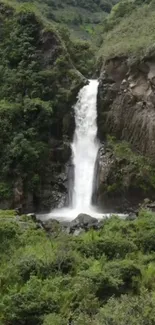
48 50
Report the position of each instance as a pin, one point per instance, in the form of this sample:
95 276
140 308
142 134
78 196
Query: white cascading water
84 152
85 147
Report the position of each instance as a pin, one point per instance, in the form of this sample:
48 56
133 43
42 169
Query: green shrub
128 310
54 319
29 303
96 278
128 30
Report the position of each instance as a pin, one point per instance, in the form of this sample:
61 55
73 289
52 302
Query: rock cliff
126 110
126 102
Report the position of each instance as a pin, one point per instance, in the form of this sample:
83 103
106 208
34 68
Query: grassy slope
133 34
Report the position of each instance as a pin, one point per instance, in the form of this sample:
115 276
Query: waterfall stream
84 153
85 147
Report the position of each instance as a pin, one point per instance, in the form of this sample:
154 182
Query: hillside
129 29
81 17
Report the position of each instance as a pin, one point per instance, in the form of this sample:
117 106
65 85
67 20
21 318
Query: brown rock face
126 102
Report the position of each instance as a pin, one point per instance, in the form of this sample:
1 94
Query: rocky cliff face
123 179
126 110
126 102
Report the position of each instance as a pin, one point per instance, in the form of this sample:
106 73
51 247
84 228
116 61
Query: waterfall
84 153
85 147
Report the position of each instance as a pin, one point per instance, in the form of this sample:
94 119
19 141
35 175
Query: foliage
140 169
96 278
134 310
81 17
37 89
129 29
81 52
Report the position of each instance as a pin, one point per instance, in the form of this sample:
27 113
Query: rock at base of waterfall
83 221
131 216
32 216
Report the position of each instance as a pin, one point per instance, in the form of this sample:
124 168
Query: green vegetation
81 52
99 277
81 17
38 85
129 29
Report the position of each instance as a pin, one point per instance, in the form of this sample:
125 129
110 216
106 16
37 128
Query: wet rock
83 221
32 216
78 232
131 216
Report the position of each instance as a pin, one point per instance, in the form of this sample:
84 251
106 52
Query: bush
29 303
54 319
89 279
128 310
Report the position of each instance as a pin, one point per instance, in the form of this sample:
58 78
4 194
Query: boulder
83 221
131 216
